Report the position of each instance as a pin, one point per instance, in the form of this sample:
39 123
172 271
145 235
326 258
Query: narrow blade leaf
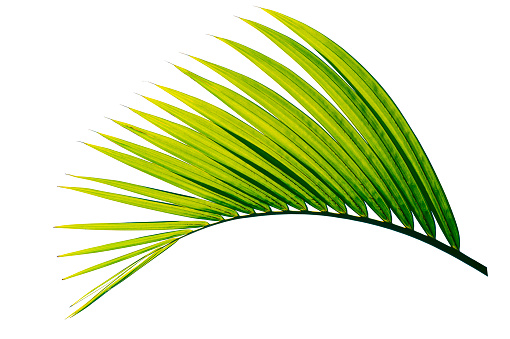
150 204
131 242
121 258
173 198
138 226
173 178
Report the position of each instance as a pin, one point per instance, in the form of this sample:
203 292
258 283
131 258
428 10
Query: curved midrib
411 233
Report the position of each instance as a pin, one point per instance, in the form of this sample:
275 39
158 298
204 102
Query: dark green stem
431 241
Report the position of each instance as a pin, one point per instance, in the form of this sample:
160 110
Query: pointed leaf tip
196 58
182 69
147 98
217 37
117 121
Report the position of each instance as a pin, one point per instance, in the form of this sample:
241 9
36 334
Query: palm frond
352 150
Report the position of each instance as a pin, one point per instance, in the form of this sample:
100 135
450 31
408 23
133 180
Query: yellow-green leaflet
386 113
245 132
173 178
389 117
123 275
282 135
328 116
191 172
217 144
328 153
149 204
173 198
121 258
131 242
198 159
360 115
138 226
104 283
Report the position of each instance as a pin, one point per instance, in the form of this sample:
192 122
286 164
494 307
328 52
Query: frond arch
285 160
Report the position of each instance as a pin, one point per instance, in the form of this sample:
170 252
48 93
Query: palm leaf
352 149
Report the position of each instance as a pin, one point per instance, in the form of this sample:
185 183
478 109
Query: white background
65 65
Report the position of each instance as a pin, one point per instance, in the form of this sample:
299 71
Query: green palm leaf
353 150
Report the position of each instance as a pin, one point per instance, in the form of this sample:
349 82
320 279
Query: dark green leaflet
282 135
326 114
389 117
232 149
237 127
357 111
310 133
200 160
